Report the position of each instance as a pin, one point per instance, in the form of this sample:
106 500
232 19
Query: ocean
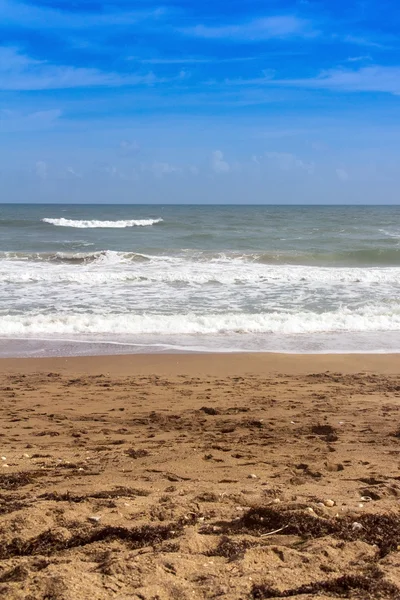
87 279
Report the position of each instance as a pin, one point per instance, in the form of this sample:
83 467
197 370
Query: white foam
368 319
94 224
228 298
392 234
100 268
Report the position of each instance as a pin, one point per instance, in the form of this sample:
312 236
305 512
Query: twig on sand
275 531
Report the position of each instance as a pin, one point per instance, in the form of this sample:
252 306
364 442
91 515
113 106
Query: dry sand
165 477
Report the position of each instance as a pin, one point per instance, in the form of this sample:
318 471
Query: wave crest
95 224
75 258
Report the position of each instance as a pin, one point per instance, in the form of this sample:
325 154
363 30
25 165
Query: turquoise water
82 279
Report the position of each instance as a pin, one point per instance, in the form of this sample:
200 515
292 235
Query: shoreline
373 343
225 364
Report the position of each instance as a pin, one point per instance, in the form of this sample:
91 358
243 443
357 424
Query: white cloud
259 29
374 78
28 15
367 79
342 174
289 162
70 171
267 75
361 41
218 164
21 72
361 58
185 60
164 168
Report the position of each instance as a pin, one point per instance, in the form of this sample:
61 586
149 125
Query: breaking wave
369 319
95 224
105 267
74 258
348 259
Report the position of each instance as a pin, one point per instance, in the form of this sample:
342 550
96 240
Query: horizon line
189 204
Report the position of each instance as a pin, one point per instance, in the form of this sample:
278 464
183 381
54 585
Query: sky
186 101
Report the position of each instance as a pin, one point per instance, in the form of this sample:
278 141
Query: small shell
366 498
252 476
357 526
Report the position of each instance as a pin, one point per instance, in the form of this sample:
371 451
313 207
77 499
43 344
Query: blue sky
188 101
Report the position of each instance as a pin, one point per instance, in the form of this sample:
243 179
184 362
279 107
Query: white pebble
94 519
252 476
26 455
357 526
329 502
366 498
3 458
311 510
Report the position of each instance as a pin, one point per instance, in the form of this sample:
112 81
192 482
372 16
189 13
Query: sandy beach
238 476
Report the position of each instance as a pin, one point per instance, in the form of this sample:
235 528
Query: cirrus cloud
375 78
22 73
280 26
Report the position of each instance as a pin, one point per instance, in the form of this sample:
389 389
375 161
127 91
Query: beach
200 476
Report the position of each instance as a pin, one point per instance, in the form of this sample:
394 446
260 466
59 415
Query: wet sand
200 476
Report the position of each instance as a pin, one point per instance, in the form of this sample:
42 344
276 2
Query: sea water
131 278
